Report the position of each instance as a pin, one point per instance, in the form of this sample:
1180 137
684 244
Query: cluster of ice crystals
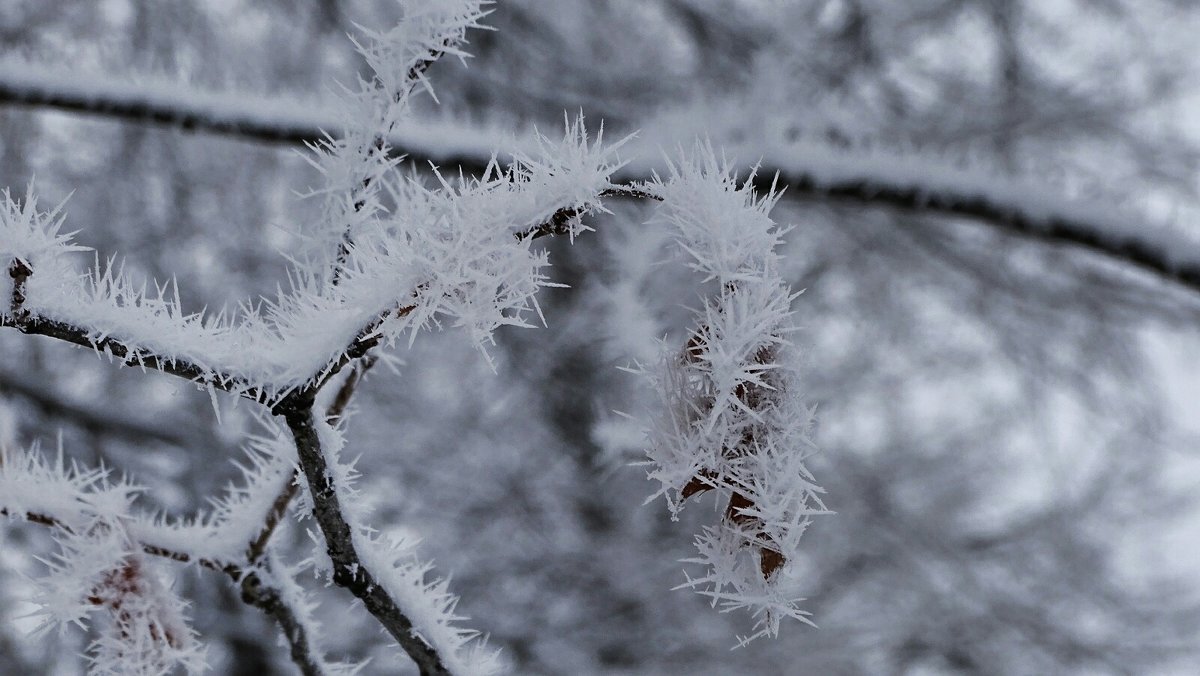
733 417
29 235
100 568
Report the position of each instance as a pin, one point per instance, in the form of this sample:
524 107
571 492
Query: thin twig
337 407
147 547
348 569
268 599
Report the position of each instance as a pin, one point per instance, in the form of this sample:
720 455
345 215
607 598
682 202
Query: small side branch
269 599
150 548
348 569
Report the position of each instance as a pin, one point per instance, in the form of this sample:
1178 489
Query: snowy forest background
1007 418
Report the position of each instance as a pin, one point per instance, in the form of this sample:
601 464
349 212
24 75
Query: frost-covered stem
560 222
38 518
348 570
380 145
152 549
21 319
278 510
280 505
41 326
270 601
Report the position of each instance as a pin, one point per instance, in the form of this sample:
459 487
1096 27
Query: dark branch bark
19 271
269 600
348 571
1144 254
40 326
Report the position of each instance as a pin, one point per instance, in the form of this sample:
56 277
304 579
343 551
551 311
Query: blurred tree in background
1004 417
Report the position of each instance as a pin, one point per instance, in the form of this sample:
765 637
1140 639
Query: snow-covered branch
816 171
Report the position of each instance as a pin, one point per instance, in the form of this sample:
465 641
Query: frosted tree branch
858 180
296 408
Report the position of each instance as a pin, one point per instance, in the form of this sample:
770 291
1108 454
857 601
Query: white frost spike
732 415
725 227
29 235
459 245
429 29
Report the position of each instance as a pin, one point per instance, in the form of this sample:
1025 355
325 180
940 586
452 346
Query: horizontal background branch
808 170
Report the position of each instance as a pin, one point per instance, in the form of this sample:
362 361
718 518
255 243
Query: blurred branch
1025 210
150 104
109 423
